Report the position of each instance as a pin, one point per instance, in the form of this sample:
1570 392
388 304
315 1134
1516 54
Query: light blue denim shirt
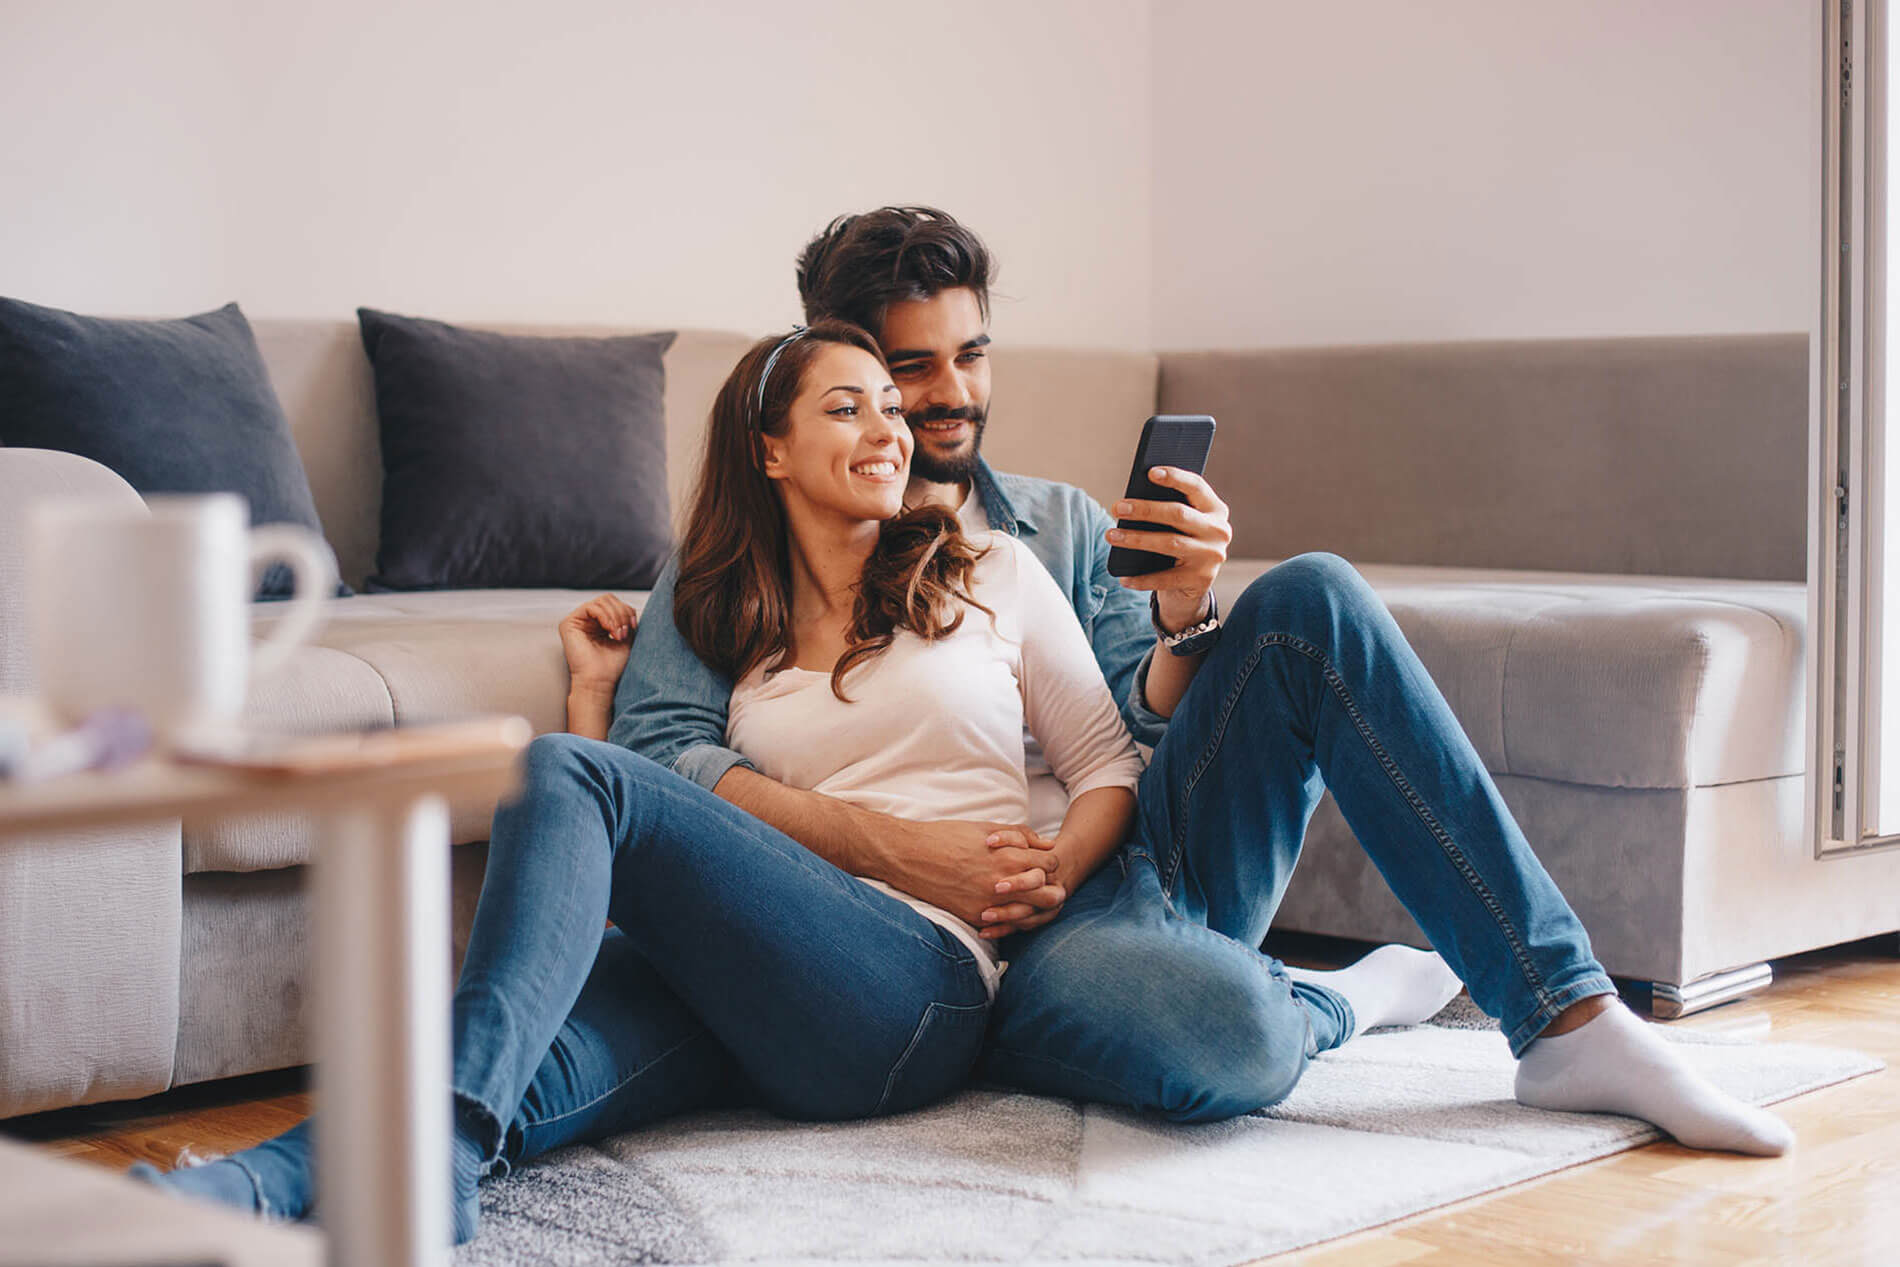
671 707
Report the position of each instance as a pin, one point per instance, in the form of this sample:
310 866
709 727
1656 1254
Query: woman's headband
770 362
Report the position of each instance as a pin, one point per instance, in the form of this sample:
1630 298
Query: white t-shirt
1048 799
935 729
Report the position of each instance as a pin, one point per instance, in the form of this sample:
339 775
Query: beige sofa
1537 516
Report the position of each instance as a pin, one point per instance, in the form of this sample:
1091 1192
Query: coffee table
55 1212
381 914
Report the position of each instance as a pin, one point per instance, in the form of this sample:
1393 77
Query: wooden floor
1836 1199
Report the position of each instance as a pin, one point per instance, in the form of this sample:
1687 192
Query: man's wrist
1168 620
1193 639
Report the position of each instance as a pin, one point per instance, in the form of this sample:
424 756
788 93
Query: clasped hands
1000 878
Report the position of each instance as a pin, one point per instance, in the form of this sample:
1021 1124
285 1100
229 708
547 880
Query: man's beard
954 470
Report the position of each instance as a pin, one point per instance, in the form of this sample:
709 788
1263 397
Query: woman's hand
1032 900
596 637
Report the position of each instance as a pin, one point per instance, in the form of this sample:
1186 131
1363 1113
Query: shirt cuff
1145 724
707 763
1124 773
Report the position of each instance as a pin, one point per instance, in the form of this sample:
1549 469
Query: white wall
1187 172
565 161
1392 170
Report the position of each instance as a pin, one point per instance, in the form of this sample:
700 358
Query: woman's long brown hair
733 599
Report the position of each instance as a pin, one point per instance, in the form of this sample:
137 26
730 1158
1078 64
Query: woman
741 968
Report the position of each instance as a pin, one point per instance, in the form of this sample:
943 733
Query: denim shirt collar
1000 511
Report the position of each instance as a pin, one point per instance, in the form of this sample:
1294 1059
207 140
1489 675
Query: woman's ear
772 457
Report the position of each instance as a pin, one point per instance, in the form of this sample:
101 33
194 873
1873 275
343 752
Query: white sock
1394 985
1617 1063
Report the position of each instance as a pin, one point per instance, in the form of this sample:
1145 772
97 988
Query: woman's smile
882 470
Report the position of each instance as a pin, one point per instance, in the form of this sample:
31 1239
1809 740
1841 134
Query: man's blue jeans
742 969
1148 990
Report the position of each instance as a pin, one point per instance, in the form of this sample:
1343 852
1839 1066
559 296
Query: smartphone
1177 440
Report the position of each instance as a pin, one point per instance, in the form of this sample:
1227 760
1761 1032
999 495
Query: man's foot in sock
1394 985
218 1180
1617 1063
275 1179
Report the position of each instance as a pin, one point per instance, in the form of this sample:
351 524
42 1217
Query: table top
58 1211
473 758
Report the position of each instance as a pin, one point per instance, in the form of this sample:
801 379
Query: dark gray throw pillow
512 460
173 406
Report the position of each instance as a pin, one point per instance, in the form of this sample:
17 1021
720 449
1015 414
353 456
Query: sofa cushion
469 652
512 461
404 657
174 406
1615 681
317 689
1676 455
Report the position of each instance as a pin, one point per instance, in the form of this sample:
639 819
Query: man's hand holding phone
1170 538
1195 534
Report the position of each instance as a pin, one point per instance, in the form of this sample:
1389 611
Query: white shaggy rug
1396 1122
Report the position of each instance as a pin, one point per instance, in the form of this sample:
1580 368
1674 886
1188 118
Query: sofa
1597 548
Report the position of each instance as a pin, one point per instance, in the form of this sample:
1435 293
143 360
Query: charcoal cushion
518 461
173 406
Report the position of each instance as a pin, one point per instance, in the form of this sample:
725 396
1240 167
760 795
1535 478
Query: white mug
148 608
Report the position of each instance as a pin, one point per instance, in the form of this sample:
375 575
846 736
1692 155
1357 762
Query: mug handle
314 568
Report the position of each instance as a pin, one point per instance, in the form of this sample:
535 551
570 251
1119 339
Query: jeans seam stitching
1553 1005
1473 881
916 1038
621 1085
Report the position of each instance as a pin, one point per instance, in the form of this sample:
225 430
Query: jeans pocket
938 1058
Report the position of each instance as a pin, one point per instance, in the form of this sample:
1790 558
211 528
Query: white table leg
382 1042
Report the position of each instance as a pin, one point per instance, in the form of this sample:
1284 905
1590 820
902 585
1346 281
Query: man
1142 986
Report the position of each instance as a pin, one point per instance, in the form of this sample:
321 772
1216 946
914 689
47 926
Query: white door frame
1846 494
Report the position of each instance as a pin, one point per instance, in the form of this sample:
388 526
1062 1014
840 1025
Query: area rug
1396 1122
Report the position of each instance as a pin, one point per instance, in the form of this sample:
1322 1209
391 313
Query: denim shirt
671 707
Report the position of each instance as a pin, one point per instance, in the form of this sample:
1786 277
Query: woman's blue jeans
1148 990
741 969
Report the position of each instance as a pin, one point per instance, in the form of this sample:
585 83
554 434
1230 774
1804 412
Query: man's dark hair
861 265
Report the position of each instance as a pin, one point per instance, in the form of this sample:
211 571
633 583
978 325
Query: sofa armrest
89 946
26 476
89 921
